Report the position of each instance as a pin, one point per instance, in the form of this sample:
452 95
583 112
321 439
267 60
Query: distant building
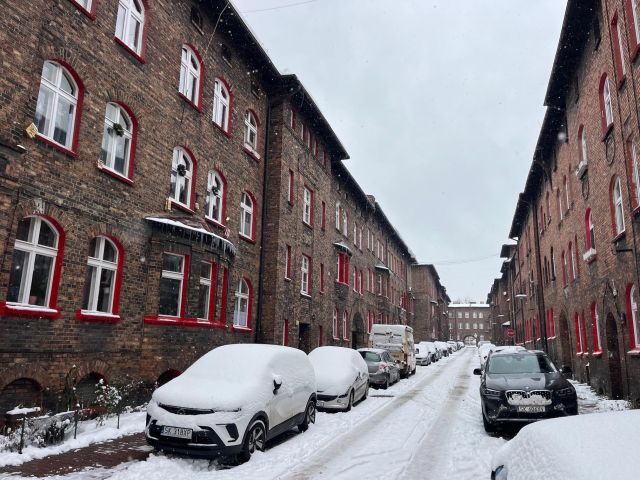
469 322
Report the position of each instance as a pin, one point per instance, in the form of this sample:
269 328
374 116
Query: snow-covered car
572 448
453 346
483 352
435 354
398 341
424 355
383 370
522 387
232 400
460 345
443 348
342 377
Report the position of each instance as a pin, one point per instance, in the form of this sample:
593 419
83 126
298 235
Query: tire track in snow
316 466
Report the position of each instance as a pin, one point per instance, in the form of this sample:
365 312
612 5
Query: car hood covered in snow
574 448
532 381
336 369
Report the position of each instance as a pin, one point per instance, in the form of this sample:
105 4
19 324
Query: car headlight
490 393
565 392
500 473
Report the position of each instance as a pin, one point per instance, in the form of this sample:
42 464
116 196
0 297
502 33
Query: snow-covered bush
38 432
108 399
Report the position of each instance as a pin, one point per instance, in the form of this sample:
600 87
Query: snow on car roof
574 448
379 328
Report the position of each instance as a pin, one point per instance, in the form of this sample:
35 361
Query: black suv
524 386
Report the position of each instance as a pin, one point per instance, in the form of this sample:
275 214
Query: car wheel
309 416
488 426
385 385
350 405
255 439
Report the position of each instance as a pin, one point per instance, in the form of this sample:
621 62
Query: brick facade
470 322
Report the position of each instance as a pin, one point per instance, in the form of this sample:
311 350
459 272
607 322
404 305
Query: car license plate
320 403
177 432
531 409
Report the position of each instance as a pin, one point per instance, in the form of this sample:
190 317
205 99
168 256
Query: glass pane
121 155
17 276
89 288
183 189
205 270
42 269
44 109
47 236
107 146
112 112
246 229
134 34
66 85
122 15
49 71
183 79
105 291
172 263
169 297
64 122
193 89
174 178
243 288
94 248
137 5
203 301
110 253
24 229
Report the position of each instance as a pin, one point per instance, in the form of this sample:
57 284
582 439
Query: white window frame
182 157
206 283
189 75
58 95
635 317
560 211
214 178
597 320
636 169
584 151
336 333
338 216
170 275
221 105
608 106
126 22
620 47
110 134
100 264
307 201
251 132
592 232
31 249
345 318
636 19
345 223
574 272
247 208
238 313
305 268
618 207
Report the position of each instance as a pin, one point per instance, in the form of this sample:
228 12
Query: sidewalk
105 455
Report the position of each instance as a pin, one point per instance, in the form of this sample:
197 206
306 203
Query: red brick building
574 274
165 190
431 300
470 322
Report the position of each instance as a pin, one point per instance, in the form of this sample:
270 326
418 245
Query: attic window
196 18
226 53
255 88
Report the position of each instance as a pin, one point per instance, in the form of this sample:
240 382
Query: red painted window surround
343 269
249 327
225 292
91 13
181 318
585 345
181 322
606 127
633 43
73 151
114 316
229 131
617 50
576 321
198 105
254 218
132 151
632 337
594 331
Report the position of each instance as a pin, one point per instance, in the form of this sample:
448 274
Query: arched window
590 230
578 333
564 269
584 155
572 262
221 105
553 265
101 283
35 264
251 131
190 75
633 317
606 108
559 200
241 314
548 205
635 170
117 141
345 325
130 24
616 198
565 183
182 177
88 7
595 328
338 216
57 109
247 216
215 202
336 334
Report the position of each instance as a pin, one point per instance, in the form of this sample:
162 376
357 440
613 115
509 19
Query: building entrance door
304 337
613 357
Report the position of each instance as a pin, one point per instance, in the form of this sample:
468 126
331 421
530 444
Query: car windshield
370 356
514 364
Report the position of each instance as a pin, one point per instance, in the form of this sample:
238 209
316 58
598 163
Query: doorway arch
358 335
613 357
564 356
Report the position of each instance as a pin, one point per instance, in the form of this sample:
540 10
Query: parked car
383 370
443 348
523 386
460 345
453 346
572 448
342 377
423 355
398 341
232 400
435 354
483 352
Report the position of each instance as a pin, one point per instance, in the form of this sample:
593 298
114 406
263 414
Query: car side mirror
477 371
276 385
566 371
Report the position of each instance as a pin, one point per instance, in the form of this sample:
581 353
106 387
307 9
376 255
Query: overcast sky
439 104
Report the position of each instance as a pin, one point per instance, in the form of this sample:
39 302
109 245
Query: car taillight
405 357
382 366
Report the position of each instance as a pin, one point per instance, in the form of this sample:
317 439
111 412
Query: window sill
634 353
98 317
305 295
118 176
597 354
18 310
182 207
636 210
251 152
246 239
216 224
181 322
57 146
235 328
287 279
227 133
590 255
135 54
619 236
89 14
308 225
193 105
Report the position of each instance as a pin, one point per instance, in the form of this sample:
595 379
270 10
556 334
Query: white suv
232 400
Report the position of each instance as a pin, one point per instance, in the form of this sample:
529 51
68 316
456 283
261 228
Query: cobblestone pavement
100 455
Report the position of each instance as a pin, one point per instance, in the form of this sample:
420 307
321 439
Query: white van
398 341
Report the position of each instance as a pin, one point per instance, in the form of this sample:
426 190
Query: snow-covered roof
381 266
468 305
218 241
344 248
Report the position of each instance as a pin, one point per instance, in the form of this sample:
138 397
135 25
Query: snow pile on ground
574 448
590 402
88 433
